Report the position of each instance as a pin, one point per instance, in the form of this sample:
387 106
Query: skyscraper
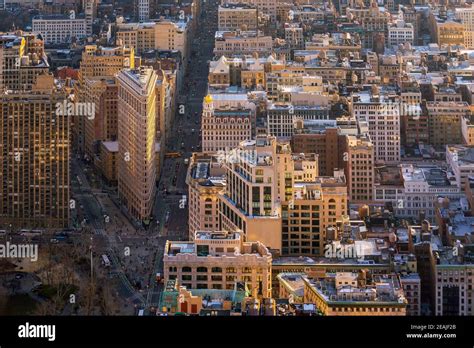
34 157
136 137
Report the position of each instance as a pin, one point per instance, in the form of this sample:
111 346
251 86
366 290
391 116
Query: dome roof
208 99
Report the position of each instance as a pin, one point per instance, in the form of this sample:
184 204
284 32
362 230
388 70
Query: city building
57 29
217 260
136 136
96 85
107 161
266 8
352 294
360 168
225 128
313 206
205 179
444 121
251 200
373 22
291 286
101 125
460 160
400 32
465 14
446 30
328 143
22 59
382 115
143 10
230 43
34 157
161 34
294 37
454 277
237 17
282 118
413 189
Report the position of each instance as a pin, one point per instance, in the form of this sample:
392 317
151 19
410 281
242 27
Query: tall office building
205 179
34 157
136 137
360 168
445 122
102 124
22 59
96 85
143 10
380 114
251 201
90 9
312 207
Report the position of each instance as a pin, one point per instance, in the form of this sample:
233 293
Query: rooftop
349 288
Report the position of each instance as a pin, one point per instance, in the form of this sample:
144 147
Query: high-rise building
454 276
22 59
102 125
446 31
360 168
381 114
466 16
143 10
252 199
313 206
136 137
105 61
328 143
225 128
205 179
34 157
96 84
90 11
445 122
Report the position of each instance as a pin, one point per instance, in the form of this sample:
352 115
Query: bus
105 261
30 233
